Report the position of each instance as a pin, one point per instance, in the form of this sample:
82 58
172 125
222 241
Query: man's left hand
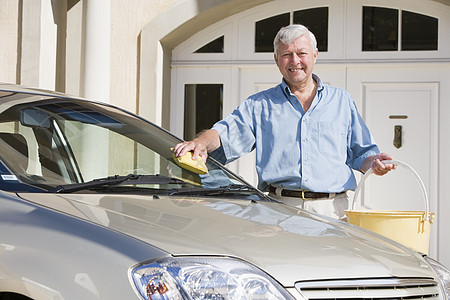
375 163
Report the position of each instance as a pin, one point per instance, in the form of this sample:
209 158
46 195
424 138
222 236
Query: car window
49 142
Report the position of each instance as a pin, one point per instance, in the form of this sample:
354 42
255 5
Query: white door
403 121
400 106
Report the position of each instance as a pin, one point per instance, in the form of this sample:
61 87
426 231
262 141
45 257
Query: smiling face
296 61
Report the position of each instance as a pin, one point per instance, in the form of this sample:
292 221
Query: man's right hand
198 149
207 141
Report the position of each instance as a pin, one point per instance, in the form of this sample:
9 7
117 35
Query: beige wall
127 20
30 52
9 10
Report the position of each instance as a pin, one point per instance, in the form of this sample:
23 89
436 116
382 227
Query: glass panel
61 144
202 107
215 46
267 29
380 29
316 19
419 32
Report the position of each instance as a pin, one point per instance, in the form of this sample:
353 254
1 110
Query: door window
419 32
316 19
215 46
381 30
202 107
266 31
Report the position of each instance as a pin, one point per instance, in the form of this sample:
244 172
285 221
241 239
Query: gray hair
290 33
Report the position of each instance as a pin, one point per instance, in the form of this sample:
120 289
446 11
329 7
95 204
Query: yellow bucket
410 228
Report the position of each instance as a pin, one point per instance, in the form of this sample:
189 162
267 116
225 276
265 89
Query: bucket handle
396 163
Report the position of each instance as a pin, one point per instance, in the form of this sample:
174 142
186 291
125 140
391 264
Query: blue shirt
314 150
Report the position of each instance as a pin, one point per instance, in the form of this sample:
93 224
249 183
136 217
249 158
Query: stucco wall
8 33
127 20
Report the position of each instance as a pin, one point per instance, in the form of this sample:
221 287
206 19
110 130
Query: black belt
302 193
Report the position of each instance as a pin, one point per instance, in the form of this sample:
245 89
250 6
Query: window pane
419 32
380 29
267 29
316 19
202 107
215 46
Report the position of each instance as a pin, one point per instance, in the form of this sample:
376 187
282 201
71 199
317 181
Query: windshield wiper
116 180
232 188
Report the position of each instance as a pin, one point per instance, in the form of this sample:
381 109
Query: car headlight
204 278
443 273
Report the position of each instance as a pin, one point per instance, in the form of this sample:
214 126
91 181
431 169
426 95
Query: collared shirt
314 150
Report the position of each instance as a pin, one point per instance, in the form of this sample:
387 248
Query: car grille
388 288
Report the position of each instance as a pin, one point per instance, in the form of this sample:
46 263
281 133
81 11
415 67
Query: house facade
184 64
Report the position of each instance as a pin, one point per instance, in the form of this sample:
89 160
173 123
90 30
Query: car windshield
62 145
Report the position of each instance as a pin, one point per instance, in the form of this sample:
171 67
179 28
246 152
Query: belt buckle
303 195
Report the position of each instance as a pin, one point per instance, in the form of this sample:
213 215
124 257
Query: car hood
290 244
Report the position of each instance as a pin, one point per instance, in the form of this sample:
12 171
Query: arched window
316 19
382 30
343 32
215 46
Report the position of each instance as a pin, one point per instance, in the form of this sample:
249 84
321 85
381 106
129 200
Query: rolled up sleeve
361 143
236 132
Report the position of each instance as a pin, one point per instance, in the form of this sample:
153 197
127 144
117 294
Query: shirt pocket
333 140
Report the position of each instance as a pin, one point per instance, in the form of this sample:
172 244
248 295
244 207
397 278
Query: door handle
398 136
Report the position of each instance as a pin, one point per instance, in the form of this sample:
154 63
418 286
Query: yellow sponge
186 162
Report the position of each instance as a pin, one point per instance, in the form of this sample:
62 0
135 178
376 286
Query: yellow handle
396 163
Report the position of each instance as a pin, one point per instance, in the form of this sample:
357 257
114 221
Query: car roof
9 87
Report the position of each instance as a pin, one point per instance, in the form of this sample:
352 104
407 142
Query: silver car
94 206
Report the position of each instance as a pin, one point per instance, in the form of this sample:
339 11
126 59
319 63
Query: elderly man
307 136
